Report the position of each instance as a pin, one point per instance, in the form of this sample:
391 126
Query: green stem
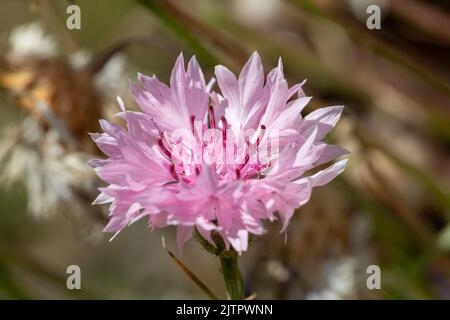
229 265
232 276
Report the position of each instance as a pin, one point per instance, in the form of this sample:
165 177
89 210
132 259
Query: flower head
223 161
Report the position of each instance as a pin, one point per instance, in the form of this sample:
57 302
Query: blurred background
391 207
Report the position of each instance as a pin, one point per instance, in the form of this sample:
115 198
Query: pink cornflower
223 161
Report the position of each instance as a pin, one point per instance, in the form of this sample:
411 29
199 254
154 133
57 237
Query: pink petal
251 81
228 85
325 176
184 233
324 119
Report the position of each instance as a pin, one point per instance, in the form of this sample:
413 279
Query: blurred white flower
30 40
338 280
54 178
276 269
48 152
80 58
257 12
111 76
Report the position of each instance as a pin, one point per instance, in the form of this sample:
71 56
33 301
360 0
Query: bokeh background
391 207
